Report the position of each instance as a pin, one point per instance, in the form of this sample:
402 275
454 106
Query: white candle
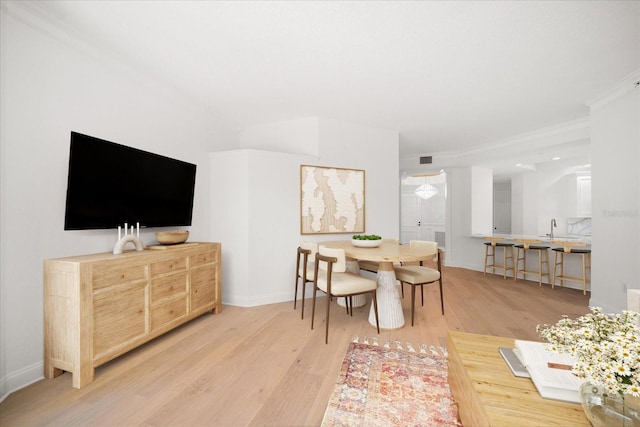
119 229
137 229
132 230
126 226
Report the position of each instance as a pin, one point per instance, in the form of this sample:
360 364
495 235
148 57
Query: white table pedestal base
358 300
390 313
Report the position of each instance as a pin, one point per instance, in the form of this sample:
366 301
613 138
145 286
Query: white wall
255 215
376 151
615 124
517 203
458 228
298 136
255 199
50 85
481 200
530 204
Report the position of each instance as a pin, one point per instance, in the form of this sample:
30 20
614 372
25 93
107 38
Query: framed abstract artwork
331 200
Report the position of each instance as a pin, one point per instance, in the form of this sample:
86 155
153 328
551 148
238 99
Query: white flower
633 390
606 348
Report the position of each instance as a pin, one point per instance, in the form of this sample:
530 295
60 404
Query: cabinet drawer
105 275
202 258
168 286
174 264
118 317
168 311
203 286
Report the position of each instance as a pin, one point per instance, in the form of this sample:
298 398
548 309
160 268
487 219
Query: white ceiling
447 76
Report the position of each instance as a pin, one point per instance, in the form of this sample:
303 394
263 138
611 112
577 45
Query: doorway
423 208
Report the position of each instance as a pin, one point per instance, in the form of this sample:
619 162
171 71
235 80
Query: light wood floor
264 366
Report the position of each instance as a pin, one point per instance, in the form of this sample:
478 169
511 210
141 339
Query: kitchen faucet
553 224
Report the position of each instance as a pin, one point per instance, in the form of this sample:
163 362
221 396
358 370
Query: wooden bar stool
558 261
524 246
490 252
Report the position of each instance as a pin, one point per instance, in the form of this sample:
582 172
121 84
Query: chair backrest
424 245
302 261
566 246
338 267
310 246
493 240
527 242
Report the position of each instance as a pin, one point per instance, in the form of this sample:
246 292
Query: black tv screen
111 184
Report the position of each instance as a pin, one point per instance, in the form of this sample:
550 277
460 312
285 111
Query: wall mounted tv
111 184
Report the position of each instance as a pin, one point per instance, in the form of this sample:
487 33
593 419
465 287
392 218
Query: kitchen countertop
544 239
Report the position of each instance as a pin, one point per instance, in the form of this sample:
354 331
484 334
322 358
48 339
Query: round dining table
390 313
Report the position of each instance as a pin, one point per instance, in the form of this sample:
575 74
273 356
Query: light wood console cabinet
97 307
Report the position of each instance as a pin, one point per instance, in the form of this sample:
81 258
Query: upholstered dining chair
419 275
330 277
305 263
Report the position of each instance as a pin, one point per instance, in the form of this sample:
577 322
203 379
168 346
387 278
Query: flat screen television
111 184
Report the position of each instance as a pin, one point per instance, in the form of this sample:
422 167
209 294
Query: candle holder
118 248
122 241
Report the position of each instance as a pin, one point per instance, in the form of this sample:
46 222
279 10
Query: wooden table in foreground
488 394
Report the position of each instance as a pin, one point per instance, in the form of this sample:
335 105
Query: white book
549 371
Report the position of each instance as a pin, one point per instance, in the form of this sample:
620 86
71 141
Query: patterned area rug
392 385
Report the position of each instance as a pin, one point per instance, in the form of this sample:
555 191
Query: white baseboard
254 301
20 379
633 300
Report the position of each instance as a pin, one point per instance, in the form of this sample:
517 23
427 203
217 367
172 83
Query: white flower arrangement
606 348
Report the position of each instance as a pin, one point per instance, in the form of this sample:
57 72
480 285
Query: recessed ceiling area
450 77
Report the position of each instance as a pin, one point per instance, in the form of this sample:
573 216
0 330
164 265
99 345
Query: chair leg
295 293
517 266
584 275
441 296
513 268
504 262
304 286
402 287
313 305
413 301
326 334
539 268
375 309
422 295
553 272
486 257
546 261
561 269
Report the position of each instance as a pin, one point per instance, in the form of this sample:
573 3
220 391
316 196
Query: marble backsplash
579 226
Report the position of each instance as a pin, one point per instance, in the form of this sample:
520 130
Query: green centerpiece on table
366 240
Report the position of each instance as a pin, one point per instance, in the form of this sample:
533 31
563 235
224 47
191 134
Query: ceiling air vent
426 160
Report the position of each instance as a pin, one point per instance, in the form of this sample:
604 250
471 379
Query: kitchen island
573 265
